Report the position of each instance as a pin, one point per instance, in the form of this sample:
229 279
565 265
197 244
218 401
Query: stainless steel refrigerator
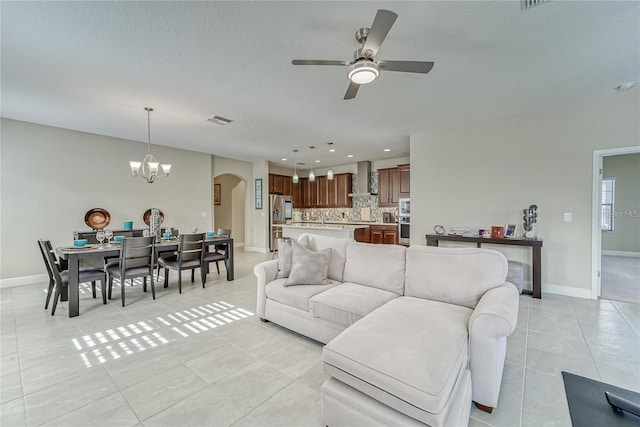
280 212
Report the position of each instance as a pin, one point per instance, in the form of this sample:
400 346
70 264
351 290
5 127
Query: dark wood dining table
73 255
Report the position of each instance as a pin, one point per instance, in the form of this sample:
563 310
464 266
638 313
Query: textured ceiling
93 66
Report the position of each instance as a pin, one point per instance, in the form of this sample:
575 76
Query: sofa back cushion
453 275
338 252
379 266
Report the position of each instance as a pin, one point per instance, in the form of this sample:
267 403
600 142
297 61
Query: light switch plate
567 217
204 214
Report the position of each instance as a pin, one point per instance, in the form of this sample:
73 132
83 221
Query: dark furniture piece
215 256
588 404
91 235
59 278
188 257
73 256
534 244
136 260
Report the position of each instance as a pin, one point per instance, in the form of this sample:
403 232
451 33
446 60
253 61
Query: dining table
74 255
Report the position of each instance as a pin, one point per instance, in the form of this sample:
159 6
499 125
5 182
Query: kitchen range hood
363 181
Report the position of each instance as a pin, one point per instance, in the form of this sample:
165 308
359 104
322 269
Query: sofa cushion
454 275
379 266
285 256
309 267
294 296
408 354
349 302
338 252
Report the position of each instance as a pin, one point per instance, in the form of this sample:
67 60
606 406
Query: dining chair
59 277
222 232
136 260
187 257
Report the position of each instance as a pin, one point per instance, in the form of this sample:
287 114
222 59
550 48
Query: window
608 190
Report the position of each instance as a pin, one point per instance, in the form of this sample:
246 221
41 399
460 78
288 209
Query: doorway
229 206
616 225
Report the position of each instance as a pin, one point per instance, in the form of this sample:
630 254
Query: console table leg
537 285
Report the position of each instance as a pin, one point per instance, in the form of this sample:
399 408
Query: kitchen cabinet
384 234
287 188
405 180
393 184
362 235
322 190
276 184
298 194
343 185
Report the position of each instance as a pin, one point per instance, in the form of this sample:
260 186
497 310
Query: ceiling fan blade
382 23
352 90
407 66
317 62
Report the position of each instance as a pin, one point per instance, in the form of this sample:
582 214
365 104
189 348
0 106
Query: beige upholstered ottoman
404 363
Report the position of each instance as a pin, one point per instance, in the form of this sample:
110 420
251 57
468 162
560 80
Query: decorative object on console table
530 218
258 194
510 231
216 194
497 232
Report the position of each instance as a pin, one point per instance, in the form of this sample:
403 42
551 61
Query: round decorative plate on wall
97 218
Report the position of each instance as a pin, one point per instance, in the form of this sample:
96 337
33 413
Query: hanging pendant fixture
312 176
330 172
295 167
148 168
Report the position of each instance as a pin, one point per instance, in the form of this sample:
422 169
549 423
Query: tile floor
203 358
620 278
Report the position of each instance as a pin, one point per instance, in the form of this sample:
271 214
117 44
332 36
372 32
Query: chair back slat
53 268
137 252
191 246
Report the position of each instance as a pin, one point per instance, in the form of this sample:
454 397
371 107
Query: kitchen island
345 231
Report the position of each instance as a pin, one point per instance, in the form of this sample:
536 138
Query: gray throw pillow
285 256
309 267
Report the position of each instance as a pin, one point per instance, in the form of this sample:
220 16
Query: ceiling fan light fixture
363 72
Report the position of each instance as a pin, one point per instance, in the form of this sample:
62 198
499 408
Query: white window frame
607 223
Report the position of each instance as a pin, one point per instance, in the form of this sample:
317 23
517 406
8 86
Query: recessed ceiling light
317 161
331 150
625 86
284 159
349 155
387 149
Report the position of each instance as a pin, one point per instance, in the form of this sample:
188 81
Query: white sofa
413 334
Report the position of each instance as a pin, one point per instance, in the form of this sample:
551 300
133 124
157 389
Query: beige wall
50 177
485 174
625 236
230 213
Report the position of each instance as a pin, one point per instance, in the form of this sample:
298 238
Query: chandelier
148 168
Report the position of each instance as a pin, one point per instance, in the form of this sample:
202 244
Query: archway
229 206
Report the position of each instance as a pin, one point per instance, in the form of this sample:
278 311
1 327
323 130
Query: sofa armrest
493 319
266 273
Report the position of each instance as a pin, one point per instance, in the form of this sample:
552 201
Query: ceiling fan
363 69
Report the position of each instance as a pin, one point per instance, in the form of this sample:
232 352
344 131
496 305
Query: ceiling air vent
219 120
528 4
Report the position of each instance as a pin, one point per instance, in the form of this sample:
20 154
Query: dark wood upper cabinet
321 193
405 180
287 187
343 183
298 198
393 184
322 188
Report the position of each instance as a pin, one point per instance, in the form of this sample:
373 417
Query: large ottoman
404 363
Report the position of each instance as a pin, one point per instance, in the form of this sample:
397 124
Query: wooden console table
535 244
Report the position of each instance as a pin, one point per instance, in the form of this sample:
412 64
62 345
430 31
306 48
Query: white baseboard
622 253
24 280
252 249
568 291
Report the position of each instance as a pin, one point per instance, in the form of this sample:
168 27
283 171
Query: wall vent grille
528 4
219 120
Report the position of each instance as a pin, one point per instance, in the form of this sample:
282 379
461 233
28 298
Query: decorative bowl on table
118 239
167 235
210 234
80 243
